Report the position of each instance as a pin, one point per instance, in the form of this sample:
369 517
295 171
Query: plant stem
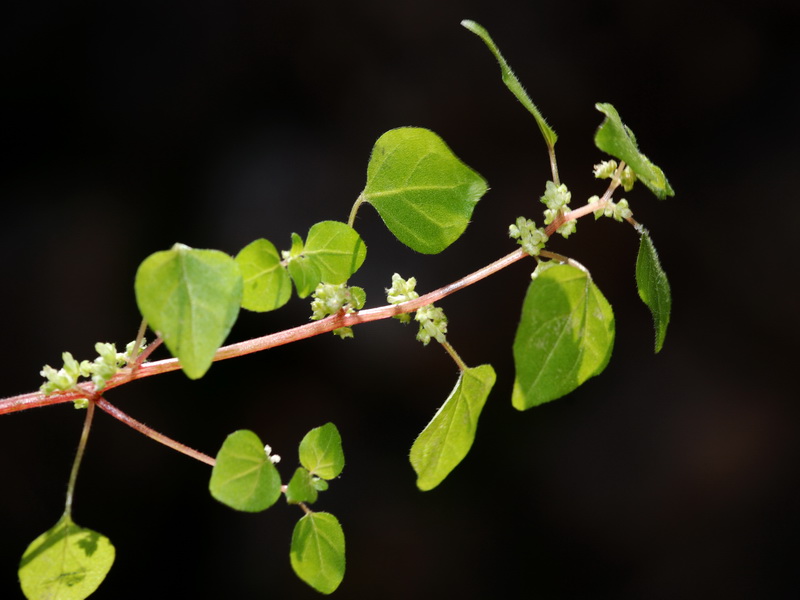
551 151
352 218
76 464
301 332
106 406
462 366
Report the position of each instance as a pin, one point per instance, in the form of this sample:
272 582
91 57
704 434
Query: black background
129 126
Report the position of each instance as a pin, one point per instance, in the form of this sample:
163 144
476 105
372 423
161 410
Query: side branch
106 406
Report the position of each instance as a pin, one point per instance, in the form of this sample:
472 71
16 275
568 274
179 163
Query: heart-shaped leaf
301 488
422 191
317 552
67 562
565 336
321 451
191 298
332 252
243 476
267 284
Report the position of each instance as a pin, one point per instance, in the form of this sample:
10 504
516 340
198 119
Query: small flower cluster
402 290
616 210
606 170
531 238
432 324
103 368
432 320
557 199
329 299
273 458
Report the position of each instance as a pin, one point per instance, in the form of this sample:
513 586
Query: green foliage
513 84
447 439
317 552
191 298
332 252
565 336
654 290
425 196
244 477
615 138
66 562
267 285
422 191
321 451
301 488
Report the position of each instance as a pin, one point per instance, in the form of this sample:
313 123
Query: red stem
106 406
301 332
86 389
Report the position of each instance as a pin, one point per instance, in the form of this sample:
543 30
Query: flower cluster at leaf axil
557 199
608 168
616 210
402 290
432 320
101 369
329 299
531 238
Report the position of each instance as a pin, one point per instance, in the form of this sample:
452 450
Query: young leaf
616 139
336 249
332 252
651 281
301 488
191 298
422 191
513 84
267 285
67 562
448 437
244 477
305 275
317 552
321 451
565 336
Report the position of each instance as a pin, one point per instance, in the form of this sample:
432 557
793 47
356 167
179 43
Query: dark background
129 126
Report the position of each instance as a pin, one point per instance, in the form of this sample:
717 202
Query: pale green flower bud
605 169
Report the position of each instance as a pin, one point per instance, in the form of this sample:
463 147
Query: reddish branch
341 319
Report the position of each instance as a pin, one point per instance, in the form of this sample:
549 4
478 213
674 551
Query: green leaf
565 336
448 437
305 275
513 84
653 286
317 552
301 488
422 191
191 298
616 139
336 249
66 562
267 284
332 252
321 451
244 477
